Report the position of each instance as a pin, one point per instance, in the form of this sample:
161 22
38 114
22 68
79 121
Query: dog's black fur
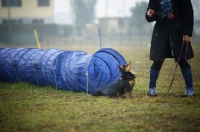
123 86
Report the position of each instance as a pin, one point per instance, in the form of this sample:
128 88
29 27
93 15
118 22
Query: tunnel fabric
72 70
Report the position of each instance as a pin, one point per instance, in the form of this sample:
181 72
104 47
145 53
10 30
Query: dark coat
168 34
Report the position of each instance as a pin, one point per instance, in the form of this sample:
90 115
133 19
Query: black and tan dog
122 87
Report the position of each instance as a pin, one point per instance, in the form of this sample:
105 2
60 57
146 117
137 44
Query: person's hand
150 13
186 38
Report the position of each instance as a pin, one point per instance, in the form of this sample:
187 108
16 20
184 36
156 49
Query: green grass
28 108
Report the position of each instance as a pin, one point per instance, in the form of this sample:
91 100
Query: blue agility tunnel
71 70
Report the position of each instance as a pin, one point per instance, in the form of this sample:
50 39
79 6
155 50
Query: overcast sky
115 8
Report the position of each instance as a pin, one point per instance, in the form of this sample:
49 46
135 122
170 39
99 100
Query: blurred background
78 22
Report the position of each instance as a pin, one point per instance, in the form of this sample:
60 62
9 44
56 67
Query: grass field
28 108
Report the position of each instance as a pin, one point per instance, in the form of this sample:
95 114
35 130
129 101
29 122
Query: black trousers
157 65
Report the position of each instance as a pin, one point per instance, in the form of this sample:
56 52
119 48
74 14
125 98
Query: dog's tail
98 93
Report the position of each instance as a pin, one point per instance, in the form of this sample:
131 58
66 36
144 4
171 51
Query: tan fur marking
132 83
126 93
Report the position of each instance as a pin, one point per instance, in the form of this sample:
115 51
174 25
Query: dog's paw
123 96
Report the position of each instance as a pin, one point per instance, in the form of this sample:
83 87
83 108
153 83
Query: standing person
174 25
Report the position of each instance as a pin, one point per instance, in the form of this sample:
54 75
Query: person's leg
154 73
187 74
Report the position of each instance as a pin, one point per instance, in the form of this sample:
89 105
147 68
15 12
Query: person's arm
151 14
187 19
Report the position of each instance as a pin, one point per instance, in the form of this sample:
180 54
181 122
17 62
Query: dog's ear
130 63
121 67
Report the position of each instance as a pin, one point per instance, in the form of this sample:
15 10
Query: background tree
83 11
137 20
196 7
